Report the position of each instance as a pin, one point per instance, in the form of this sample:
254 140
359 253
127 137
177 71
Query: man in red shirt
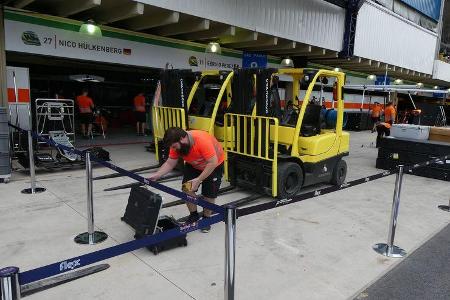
203 156
85 107
139 111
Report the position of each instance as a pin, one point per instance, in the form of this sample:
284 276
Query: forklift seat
311 120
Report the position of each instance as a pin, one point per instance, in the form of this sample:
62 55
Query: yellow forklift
191 100
279 154
266 148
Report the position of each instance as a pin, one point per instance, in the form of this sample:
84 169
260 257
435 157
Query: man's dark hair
173 135
85 90
389 104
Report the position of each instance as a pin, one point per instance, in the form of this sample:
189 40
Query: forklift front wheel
290 179
339 173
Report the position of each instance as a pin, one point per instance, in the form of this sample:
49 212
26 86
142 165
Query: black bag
142 213
166 223
99 153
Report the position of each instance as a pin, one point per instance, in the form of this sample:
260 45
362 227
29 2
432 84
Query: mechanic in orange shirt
384 128
376 114
203 156
390 113
139 112
85 107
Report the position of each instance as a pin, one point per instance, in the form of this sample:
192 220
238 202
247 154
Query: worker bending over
203 156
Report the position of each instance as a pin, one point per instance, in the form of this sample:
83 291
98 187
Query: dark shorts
383 130
140 116
86 118
211 185
375 119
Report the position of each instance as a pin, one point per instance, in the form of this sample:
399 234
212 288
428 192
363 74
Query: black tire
290 179
339 173
155 250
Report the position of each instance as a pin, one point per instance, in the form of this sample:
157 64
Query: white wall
314 22
381 35
441 70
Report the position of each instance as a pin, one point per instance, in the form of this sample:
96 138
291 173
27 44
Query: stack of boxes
5 161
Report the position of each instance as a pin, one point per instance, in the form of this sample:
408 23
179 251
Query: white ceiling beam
289 45
68 8
298 49
357 61
122 12
213 33
261 41
22 3
152 20
184 27
313 52
323 53
363 61
240 37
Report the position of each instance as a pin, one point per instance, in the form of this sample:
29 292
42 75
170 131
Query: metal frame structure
47 109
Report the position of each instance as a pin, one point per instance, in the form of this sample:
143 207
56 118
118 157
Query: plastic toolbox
409 131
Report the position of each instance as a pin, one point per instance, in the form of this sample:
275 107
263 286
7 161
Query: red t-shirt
139 103
203 148
85 104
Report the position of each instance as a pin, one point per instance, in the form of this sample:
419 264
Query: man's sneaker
206 229
192 218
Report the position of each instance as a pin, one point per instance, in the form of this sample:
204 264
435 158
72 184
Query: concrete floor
315 249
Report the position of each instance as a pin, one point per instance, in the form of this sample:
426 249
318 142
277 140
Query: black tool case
142 213
166 223
395 151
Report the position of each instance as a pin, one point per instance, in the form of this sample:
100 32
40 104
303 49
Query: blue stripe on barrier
93 257
195 200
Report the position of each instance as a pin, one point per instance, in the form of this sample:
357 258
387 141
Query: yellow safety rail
253 136
164 118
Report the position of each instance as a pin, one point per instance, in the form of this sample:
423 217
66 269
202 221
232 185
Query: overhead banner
29 34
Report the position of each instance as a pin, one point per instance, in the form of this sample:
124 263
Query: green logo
30 38
193 61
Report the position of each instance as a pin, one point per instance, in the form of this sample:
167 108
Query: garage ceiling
139 17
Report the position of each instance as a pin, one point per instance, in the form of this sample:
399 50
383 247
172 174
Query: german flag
126 51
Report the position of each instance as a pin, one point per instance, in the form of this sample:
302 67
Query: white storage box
409 131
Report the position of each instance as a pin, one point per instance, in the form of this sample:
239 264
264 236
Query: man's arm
211 164
164 169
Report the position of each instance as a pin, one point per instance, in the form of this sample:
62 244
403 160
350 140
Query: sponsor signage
29 34
254 60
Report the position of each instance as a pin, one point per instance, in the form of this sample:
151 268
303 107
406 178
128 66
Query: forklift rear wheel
290 179
339 173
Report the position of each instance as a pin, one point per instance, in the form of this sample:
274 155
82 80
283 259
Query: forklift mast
175 87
